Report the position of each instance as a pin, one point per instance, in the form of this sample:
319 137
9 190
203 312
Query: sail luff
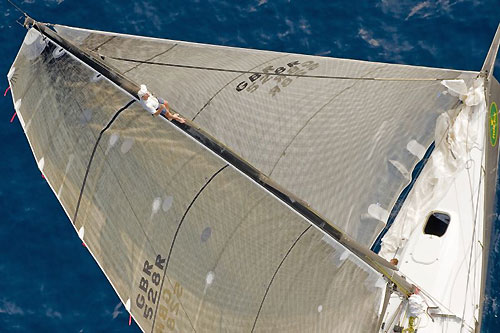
370 258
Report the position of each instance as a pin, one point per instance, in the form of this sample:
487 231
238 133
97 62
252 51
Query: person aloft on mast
157 105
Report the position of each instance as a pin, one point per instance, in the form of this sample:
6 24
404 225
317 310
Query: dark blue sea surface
48 280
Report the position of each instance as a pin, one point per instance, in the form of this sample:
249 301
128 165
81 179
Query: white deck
448 268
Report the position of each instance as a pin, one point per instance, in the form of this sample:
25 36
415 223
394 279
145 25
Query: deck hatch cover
437 224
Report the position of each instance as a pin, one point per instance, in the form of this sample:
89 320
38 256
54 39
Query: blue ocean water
48 280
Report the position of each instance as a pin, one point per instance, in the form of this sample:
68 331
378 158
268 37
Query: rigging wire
238 71
475 212
437 302
18 8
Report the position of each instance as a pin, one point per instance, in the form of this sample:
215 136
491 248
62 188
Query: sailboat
261 212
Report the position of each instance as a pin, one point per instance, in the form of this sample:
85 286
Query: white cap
143 91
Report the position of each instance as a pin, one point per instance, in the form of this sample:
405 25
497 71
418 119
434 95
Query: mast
489 65
205 139
489 62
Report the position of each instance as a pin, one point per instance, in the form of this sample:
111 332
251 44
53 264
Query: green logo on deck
493 123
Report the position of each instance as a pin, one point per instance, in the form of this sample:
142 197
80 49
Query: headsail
186 239
342 135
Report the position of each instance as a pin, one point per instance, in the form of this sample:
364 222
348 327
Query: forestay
184 238
342 135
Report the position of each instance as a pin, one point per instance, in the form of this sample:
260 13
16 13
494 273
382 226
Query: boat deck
449 267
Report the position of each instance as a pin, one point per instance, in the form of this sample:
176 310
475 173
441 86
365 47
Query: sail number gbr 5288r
280 77
149 297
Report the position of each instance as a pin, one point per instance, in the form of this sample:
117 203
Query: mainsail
188 240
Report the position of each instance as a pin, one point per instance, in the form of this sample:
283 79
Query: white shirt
151 104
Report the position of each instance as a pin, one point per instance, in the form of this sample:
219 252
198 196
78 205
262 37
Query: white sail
187 241
237 231
327 132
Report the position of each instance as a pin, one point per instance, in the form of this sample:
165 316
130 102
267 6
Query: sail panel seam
175 237
103 43
234 79
230 238
311 118
117 113
149 59
275 273
228 70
